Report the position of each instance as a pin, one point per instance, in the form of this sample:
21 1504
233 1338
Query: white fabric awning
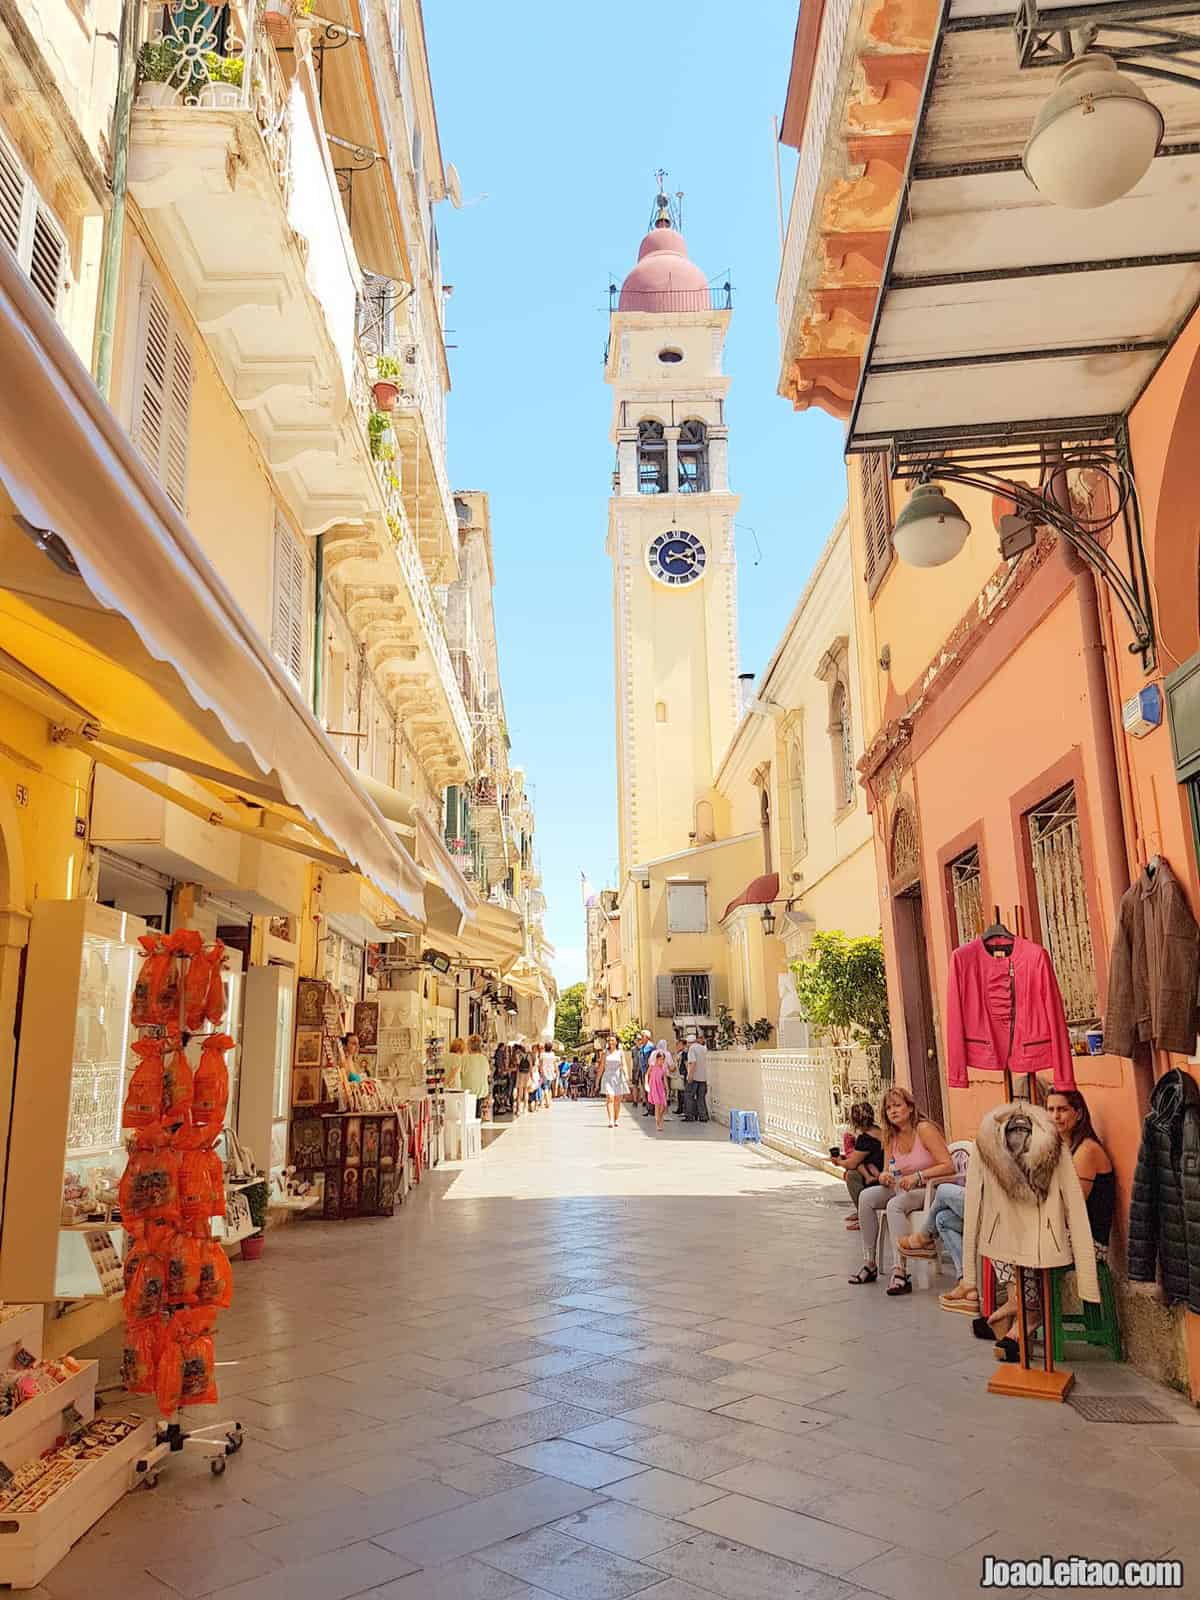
1000 312
147 640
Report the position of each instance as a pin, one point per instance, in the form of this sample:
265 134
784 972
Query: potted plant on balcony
257 1195
385 390
383 441
224 87
280 15
158 62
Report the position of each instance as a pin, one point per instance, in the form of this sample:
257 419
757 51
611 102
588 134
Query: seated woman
1070 1114
944 1223
862 1162
916 1154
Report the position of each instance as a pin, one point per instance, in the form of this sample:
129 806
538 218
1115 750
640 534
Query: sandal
852 1224
1007 1350
921 1252
864 1275
901 1282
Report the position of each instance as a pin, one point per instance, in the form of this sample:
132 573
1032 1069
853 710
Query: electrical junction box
1143 712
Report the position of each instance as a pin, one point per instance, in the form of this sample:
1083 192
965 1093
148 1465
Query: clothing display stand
1021 1381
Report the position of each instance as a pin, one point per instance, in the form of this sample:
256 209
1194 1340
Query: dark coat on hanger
1155 968
1164 1213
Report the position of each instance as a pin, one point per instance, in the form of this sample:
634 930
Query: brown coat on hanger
1155 968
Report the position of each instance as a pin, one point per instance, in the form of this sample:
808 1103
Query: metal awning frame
1025 22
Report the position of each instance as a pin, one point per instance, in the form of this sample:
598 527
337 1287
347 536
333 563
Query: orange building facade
998 769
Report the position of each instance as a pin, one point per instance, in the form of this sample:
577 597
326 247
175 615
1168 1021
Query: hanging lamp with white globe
931 529
1094 137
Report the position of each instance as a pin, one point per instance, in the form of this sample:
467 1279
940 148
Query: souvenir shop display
1154 968
176 1273
1024 1204
359 1159
62 1470
1164 1209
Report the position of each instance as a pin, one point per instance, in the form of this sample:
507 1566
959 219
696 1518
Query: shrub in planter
158 61
383 443
225 77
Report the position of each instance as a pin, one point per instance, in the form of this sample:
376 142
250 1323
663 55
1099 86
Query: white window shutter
179 418
13 189
48 253
163 399
289 618
30 230
151 399
665 1002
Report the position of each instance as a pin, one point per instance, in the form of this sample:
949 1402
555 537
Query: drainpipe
114 224
318 661
1099 700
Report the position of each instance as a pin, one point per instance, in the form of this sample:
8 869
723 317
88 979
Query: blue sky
560 117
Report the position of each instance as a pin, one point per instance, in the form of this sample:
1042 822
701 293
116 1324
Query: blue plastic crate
743 1127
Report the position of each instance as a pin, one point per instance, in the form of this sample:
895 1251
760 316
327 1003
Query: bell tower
671 542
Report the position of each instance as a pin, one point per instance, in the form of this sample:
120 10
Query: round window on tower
670 358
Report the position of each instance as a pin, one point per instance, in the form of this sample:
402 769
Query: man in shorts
697 1085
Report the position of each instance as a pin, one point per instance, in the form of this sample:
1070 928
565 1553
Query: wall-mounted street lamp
1098 132
931 529
768 921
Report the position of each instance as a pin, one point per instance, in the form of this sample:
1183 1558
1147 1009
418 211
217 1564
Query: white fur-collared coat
1024 1200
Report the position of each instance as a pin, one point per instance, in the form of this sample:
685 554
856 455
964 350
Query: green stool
1093 1325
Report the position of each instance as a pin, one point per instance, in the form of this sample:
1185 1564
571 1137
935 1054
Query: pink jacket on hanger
1006 1011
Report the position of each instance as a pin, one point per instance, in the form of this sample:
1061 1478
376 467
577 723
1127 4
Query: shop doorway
913 963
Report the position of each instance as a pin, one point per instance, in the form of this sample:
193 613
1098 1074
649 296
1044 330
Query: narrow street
597 1364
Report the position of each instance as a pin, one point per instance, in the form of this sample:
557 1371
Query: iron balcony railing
712 299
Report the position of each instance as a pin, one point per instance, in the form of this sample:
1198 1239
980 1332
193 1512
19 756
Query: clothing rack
1021 1381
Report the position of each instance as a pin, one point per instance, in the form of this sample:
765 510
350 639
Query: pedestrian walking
614 1080
697 1086
524 1080
658 1083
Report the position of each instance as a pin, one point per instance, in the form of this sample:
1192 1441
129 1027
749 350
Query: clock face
676 557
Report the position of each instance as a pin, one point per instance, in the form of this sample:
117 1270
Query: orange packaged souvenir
195 1187
168 1377
184 1259
150 1186
177 1084
145 1289
156 991
144 1097
210 1087
216 1179
139 1357
204 989
216 1276
199 1384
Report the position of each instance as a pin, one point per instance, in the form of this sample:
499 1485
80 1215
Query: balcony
229 166
487 814
379 581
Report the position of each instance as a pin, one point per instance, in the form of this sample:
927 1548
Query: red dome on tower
664 278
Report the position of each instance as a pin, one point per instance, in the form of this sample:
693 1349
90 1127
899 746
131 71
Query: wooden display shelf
32 1543
34 1426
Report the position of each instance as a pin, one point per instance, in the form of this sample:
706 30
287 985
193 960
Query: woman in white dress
614 1081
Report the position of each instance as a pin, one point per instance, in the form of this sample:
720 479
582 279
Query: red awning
758 892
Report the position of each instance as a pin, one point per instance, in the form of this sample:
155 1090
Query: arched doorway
912 962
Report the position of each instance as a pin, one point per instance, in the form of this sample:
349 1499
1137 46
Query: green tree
842 985
568 1023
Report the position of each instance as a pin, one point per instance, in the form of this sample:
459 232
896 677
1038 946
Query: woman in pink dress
658 1082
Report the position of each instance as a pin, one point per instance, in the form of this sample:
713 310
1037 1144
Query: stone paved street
603 1364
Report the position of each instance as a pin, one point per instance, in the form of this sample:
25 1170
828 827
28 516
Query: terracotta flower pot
277 20
385 394
252 1247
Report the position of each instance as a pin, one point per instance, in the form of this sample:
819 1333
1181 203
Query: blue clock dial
677 557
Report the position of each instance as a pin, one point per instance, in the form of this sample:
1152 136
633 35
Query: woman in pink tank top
916 1154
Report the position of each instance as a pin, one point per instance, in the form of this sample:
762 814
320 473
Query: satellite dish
454 186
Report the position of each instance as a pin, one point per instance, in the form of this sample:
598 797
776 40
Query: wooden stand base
1031 1383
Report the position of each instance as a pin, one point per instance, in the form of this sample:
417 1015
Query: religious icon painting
350 1191
308 1047
333 1142
387 1192
387 1141
370 1188
310 1002
333 1193
353 1140
370 1135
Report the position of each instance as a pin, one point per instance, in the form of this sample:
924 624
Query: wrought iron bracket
1135 33
1047 504
361 158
